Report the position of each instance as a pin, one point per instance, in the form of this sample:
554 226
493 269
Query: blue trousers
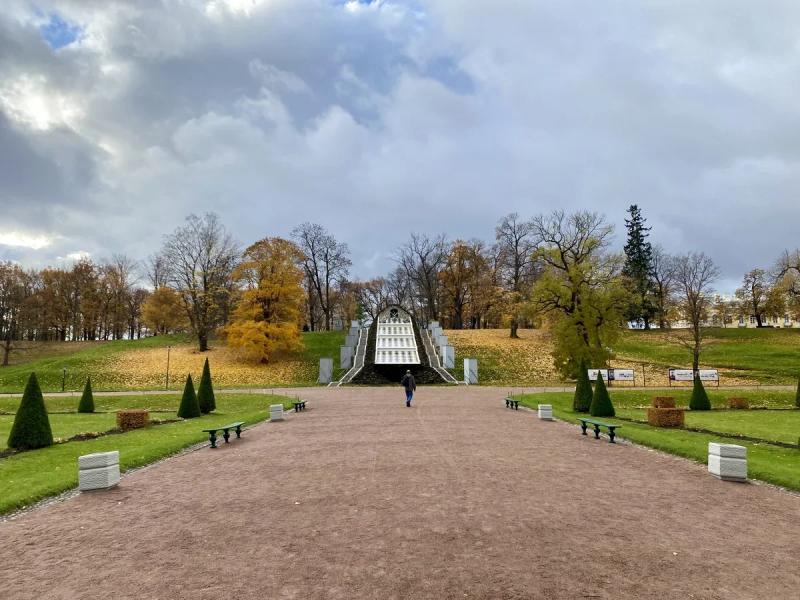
409 396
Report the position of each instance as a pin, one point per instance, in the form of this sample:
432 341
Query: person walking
410 384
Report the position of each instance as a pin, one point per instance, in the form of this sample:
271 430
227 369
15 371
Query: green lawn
764 355
766 462
30 476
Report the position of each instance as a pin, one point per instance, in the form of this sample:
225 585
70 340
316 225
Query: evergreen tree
31 427
189 408
601 402
699 399
86 405
583 391
205 393
638 268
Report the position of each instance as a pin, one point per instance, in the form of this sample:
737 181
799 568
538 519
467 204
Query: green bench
226 432
299 405
597 426
511 403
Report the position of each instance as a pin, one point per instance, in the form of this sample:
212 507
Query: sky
378 119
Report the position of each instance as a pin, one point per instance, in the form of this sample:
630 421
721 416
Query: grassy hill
142 364
769 356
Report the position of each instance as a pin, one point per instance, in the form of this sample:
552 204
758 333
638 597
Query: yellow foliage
267 319
163 312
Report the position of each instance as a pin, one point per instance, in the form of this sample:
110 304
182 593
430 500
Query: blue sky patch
59 33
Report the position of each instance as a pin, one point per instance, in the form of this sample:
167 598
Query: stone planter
663 402
276 412
132 419
727 461
738 403
665 417
98 471
545 412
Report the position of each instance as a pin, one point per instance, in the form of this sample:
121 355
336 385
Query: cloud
23 240
381 118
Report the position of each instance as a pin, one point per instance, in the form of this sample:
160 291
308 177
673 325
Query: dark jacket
408 382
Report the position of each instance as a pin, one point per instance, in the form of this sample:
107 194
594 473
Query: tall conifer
638 267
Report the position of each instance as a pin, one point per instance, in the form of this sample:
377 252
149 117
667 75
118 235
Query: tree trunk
514 327
6 351
759 323
202 340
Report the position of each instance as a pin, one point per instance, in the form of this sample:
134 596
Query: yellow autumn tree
163 312
267 318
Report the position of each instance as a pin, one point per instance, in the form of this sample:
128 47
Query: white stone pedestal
325 370
546 412
470 371
98 471
448 354
727 461
345 357
276 412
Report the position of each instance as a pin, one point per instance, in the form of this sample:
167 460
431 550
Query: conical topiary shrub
205 393
699 399
601 402
189 408
583 391
86 405
31 427
797 397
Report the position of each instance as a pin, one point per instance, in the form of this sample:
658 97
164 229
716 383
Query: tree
201 256
663 275
695 274
516 241
163 311
31 428
268 317
422 259
753 294
189 407
638 268
86 405
699 399
601 401
582 400
326 262
722 310
460 279
579 287
205 393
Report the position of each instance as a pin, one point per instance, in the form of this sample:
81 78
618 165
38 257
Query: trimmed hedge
582 400
189 408
86 405
205 393
601 402
699 399
31 427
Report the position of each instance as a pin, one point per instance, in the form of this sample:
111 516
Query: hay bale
132 419
665 417
663 402
738 403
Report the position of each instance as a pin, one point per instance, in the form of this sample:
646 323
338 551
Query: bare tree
663 275
516 242
695 274
373 295
422 259
201 256
326 264
157 271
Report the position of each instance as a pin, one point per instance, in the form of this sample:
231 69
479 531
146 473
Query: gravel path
457 497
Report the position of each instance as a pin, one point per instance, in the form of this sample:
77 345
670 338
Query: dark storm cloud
379 118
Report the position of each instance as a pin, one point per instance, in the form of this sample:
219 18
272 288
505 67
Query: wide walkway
457 497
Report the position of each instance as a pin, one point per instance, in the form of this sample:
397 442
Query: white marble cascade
395 343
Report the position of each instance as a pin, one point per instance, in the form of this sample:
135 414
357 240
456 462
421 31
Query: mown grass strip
30 476
766 462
